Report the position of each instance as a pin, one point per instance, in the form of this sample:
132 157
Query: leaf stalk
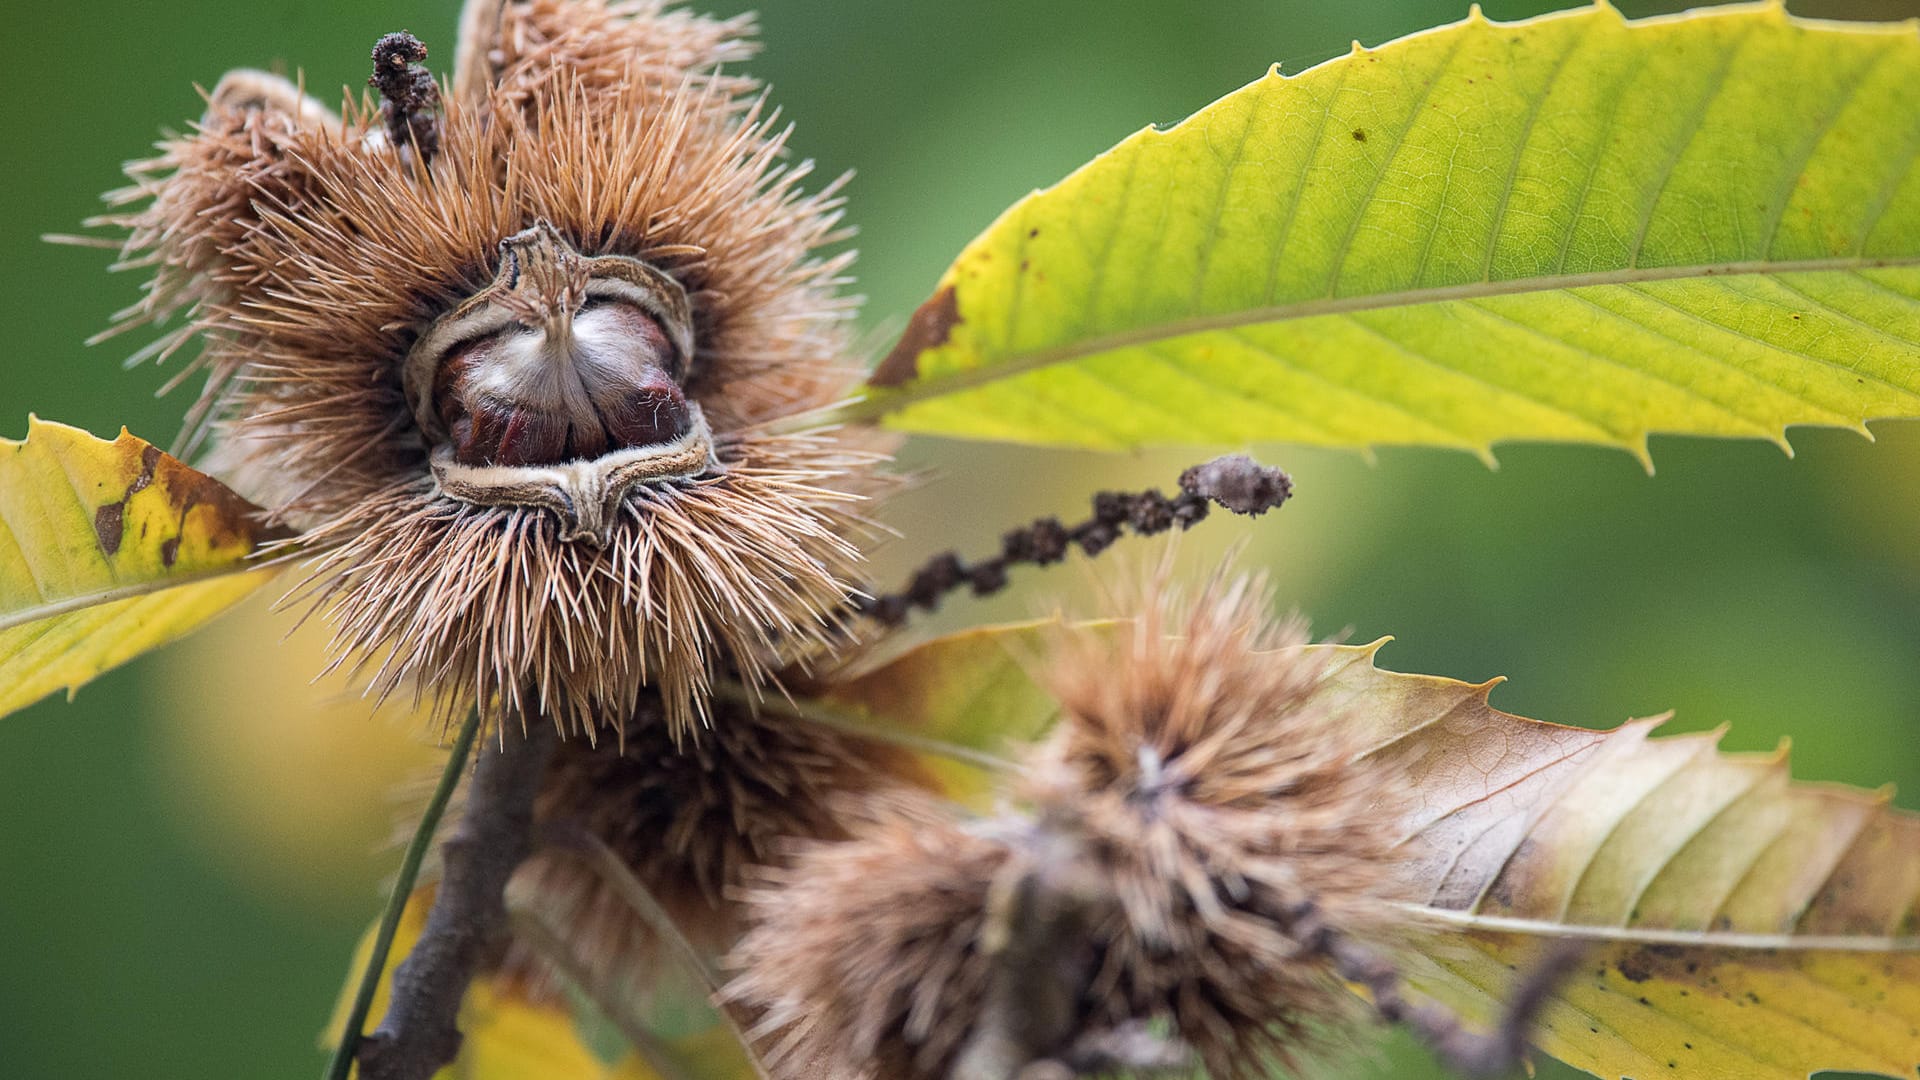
457 758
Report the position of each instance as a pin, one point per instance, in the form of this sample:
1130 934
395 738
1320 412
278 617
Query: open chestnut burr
560 384
563 358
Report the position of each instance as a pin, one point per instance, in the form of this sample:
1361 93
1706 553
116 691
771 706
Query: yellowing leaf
511 1038
969 687
107 550
713 1053
1573 228
969 690
1741 925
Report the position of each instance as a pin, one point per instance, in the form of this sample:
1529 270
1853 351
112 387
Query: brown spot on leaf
110 521
1359 134
929 328
149 461
107 523
1636 966
169 551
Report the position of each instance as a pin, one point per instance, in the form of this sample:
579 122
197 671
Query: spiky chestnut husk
1219 794
689 820
1212 795
863 958
310 254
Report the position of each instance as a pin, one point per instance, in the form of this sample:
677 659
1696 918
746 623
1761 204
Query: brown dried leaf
1743 925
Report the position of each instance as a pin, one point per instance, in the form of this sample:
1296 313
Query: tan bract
309 255
1218 805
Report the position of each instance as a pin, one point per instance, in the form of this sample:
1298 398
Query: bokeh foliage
168 908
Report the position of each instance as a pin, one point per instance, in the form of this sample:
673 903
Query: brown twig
420 1033
458 757
1236 482
1467 1052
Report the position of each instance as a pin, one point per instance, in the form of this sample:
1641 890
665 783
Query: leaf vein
1380 173
1791 177
1525 140
1689 133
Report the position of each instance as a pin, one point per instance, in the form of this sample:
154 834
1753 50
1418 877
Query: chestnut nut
562 358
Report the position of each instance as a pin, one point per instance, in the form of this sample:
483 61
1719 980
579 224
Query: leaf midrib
93 598
1640 935
874 407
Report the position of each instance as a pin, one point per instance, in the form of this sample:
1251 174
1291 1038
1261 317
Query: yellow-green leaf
1573 228
1741 925
969 690
107 550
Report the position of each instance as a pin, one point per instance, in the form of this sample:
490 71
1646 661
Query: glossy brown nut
599 380
649 416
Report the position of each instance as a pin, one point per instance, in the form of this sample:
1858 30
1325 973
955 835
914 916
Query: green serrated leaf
1573 228
107 550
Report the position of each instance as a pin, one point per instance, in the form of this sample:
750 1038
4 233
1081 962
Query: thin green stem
457 759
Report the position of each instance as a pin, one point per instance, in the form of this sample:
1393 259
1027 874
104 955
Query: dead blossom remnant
1236 481
411 96
311 252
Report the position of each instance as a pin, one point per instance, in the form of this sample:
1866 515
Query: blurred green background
190 849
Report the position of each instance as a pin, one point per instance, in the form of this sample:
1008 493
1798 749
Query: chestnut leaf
109 549
1575 228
